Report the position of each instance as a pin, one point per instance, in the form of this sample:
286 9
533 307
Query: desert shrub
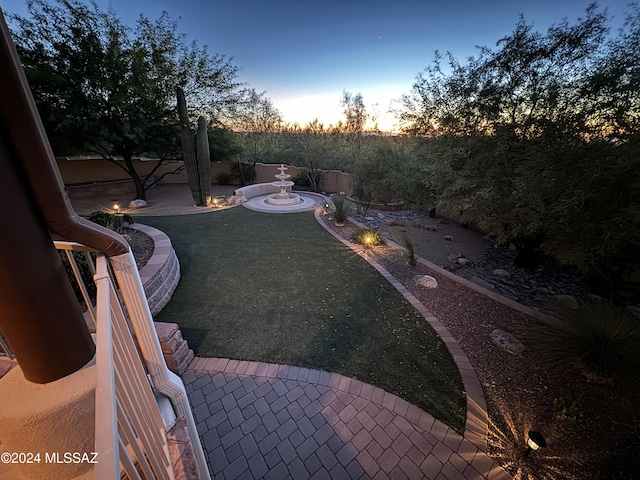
406 241
601 340
117 223
340 208
224 178
369 237
301 180
566 416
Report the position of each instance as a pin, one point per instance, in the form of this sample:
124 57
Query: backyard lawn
278 288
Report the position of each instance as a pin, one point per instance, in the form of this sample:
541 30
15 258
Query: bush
565 416
369 237
340 208
601 340
406 241
224 178
117 223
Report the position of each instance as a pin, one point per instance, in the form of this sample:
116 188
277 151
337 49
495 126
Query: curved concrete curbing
477 423
161 274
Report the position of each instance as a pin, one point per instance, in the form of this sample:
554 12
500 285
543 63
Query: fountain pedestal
283 198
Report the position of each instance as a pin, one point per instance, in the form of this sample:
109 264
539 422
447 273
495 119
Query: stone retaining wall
161 274
160 278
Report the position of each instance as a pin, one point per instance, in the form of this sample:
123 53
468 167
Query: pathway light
535 442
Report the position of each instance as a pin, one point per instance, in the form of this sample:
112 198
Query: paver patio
259 420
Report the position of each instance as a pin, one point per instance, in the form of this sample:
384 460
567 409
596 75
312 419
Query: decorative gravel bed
520 390
141 245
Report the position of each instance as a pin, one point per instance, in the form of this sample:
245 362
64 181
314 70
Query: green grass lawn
280 289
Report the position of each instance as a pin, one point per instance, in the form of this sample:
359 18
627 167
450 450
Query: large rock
507 342
453 257
482 283
137 203
426 281
566 301
500 272
236 200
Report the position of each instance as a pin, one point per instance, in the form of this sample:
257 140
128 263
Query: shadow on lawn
194 336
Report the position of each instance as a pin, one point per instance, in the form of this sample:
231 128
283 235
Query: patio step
176 350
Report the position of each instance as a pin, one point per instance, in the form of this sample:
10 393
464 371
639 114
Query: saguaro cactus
204 160
189 149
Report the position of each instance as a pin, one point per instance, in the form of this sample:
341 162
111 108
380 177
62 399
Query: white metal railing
6 355
129 429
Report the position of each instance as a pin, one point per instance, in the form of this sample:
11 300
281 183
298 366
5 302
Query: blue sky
304 53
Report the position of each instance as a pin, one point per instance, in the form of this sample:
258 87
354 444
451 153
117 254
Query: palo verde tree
530 139
257 122
314 147
108 90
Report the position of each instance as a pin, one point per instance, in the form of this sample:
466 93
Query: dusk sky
304 53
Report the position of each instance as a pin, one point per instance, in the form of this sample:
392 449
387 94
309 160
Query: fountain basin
280 200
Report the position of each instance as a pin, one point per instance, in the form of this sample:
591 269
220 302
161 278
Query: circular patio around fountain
285 201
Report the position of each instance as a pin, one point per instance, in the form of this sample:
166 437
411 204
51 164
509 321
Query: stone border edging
161 274
477 423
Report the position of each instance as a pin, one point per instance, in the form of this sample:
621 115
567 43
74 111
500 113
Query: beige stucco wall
78 172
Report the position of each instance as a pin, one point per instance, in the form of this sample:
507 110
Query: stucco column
54 423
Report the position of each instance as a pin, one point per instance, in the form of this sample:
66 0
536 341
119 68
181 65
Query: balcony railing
6 355
130 431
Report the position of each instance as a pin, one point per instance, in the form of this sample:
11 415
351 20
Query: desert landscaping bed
520 389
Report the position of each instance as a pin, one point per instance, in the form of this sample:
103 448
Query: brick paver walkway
260 420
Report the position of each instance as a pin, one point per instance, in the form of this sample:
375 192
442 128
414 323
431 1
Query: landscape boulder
507 342
482 283
500 272
426 281
137 203
566 301
453 257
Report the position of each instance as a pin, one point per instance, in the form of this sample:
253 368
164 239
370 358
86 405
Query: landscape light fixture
535 441
116 207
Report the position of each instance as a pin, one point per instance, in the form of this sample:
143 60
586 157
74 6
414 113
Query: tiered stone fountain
283 198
